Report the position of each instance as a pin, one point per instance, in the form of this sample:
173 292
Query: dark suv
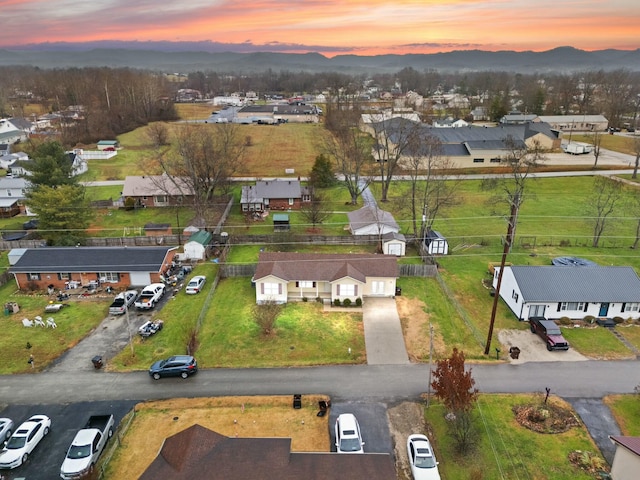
176 366
549 332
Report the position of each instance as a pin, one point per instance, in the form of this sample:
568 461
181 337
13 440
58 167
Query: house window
306 198
270 288
514 295
64 276
34 276
494 160
347 290
161 199
630 307
291 201
571 306
306 284
478 160
109 277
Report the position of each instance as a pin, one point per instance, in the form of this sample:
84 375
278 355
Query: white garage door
140 279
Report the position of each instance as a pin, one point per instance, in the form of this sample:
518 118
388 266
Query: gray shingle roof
150 185
271 189
577 284
371 215
92 259
325 267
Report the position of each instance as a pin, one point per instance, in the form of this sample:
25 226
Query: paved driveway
383 332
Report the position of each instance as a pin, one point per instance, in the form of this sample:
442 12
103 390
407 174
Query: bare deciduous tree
636 150
606 195
596 141
520 161
265 314
158 134
315 212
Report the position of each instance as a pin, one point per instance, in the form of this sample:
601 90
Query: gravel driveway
533 349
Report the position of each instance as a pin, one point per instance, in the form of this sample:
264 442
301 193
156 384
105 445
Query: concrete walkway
383 333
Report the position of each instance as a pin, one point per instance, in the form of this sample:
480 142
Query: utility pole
126 310
506 250
430 359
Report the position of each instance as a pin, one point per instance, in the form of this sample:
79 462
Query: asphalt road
591 379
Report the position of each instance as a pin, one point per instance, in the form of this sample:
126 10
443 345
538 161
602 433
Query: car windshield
79 451
118 302
425 462
16 442
350 445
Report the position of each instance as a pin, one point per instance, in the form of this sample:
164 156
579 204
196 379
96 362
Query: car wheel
91 468
156 376
532 328
25 457
8 435
184 374
110 434
45 432
549 347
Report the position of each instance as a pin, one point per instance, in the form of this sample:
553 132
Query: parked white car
421 458
348 437
195 284
24 440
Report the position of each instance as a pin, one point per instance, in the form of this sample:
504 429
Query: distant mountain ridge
561 59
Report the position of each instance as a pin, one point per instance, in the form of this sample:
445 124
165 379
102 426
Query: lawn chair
27 323
51 323
38 321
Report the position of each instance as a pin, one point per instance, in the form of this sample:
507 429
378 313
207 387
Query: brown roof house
274 195
198 453
157 190
626 461
283 277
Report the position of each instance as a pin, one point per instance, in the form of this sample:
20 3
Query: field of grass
505 449
597 343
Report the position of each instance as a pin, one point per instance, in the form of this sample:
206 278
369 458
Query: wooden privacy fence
248 270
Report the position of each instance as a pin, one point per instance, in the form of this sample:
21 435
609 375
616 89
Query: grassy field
505 449
626 411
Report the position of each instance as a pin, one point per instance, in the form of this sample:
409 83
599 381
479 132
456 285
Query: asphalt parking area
374 426
45 461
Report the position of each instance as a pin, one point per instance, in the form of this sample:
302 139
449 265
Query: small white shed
394 244
436 244
196 247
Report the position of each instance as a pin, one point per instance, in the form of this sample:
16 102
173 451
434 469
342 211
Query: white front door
377 288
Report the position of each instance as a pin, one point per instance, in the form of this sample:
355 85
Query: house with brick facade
71 267
274 195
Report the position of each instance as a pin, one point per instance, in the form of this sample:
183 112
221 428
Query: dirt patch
551 417
405 419
415 328
533 349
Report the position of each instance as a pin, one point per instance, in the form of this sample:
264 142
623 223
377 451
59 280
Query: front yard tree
206 156
265 315
601 203
63 212
322 175
455 388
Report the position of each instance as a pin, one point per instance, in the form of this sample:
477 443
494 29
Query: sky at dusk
330 27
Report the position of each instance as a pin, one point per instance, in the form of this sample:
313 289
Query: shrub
358 302
347 302
318 299
336 302
589 319
618 320
129 203
565 321
305 299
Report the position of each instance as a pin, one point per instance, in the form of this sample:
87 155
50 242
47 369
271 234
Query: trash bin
97 362
398 291
514 352
297 401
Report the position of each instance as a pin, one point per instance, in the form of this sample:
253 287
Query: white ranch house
554 292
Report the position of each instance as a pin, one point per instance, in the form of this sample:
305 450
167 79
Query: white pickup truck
86 447
150 295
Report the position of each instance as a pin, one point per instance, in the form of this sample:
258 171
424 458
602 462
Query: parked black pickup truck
549 332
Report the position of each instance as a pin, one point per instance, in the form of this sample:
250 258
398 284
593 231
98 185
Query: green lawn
597 343
626 411
45 344
504 448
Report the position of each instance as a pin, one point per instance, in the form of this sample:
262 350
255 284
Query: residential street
590 379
